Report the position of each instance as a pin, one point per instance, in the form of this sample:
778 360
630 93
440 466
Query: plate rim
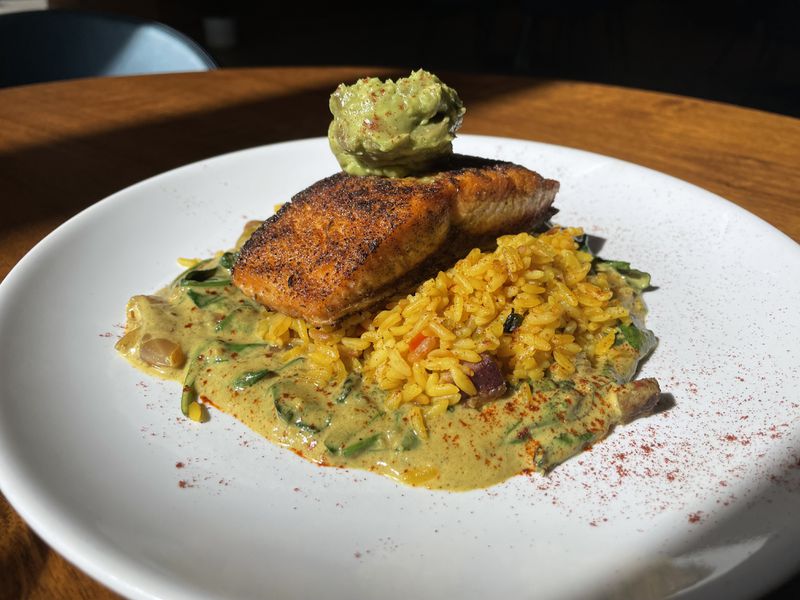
21 493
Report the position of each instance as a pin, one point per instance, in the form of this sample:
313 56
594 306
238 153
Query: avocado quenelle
393 129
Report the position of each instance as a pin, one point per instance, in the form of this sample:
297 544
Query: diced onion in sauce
160 352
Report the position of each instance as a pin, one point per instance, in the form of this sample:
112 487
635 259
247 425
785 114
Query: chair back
51 45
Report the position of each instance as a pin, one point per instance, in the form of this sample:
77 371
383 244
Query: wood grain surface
64 146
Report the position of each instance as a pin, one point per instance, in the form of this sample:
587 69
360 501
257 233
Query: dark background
745 52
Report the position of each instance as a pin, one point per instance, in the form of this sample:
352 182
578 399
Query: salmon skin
347 242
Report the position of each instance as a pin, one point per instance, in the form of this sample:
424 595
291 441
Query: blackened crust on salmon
346 242
330 230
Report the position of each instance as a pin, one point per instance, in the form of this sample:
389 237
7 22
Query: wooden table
64 146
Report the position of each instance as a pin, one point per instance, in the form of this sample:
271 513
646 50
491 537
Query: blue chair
51 45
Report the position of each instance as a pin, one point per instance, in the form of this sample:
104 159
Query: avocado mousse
393 129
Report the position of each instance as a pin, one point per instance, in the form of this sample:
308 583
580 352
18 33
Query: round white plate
702 498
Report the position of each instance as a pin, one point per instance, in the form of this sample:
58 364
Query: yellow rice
462 310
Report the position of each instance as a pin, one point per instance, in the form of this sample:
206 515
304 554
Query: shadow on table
30 569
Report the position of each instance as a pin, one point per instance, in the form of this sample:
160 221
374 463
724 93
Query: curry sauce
202 331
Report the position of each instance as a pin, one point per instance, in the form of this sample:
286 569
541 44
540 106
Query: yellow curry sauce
201 330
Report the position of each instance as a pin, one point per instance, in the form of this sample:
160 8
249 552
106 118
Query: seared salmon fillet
346 242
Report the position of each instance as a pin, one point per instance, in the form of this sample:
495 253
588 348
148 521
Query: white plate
702 498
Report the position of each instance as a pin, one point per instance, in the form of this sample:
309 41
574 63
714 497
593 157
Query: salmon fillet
347 242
